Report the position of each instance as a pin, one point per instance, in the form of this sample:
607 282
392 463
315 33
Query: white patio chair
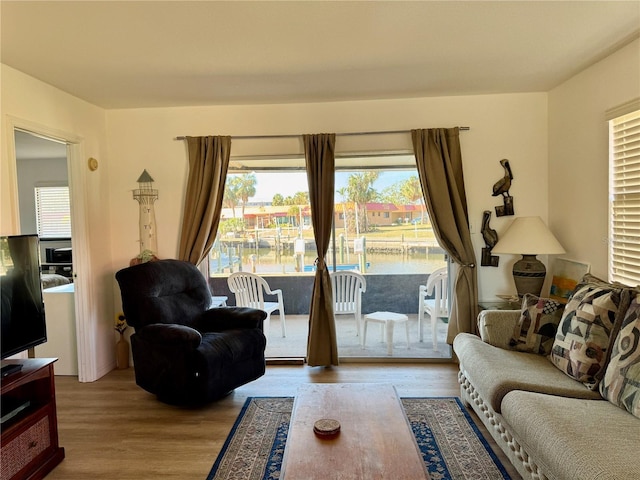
436 307
250 289
347 288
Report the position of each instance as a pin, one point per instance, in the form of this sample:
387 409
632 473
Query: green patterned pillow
621 382
589 325
536 329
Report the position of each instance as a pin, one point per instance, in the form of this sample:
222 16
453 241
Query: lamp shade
530 236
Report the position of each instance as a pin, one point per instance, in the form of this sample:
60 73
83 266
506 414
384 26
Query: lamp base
528 275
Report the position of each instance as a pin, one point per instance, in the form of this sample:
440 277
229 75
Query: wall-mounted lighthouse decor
146 195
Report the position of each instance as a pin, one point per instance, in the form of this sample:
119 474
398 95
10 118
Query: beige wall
502 126
39 107
570 137
578 153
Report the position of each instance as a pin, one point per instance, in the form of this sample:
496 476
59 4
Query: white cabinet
59 306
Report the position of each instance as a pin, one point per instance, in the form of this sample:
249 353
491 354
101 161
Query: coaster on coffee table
326 427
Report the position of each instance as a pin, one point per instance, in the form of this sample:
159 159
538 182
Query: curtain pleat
322 347
208 165
439 163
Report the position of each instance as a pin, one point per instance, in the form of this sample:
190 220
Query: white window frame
53 211
624 198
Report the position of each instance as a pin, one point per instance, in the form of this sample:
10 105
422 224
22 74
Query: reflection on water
266 260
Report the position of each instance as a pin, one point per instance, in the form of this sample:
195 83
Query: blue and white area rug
451 444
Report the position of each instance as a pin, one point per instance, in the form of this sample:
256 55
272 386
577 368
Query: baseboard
286 361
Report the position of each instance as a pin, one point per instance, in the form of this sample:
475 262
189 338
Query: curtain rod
348 134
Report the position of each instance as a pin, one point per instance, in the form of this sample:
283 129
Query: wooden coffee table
375 441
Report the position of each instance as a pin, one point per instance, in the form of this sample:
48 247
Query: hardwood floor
112 429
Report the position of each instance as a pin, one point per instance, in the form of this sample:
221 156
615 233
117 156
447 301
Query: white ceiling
177 53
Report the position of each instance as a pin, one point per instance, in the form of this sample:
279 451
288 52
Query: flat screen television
22 307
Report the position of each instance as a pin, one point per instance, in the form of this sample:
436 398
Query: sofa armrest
170 335
496 326
230 318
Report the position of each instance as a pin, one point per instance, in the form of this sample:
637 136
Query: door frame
84 297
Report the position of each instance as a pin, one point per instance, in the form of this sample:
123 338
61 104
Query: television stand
29 444
7 370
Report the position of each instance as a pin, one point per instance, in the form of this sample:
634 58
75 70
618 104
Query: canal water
267 260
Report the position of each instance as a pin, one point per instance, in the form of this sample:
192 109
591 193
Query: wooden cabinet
29 443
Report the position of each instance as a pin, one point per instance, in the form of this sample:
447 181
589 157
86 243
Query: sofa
558 386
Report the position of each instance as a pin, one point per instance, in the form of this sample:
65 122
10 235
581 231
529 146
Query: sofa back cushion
165 291
621 382
589 325
536 329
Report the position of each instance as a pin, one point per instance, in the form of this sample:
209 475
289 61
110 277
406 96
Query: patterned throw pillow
536 329
589 325
621 382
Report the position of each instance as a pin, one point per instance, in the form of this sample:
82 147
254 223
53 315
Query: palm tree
277 200
246 188
301 198
294 213
412 191
344 194
360 190
230 198
392 194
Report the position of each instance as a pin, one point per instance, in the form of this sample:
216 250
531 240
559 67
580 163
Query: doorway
44 209
88 340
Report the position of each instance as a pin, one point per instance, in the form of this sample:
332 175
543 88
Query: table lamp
528 236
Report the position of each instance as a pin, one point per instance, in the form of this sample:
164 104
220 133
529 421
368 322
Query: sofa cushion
621 382
588 327
574 438
536 329
494 372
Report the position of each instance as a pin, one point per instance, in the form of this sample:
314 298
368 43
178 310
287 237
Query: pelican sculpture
502 186
489 235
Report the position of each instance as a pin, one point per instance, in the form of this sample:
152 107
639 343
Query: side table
499 305
387 319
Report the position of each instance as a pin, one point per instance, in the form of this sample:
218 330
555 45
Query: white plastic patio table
218 301
387 319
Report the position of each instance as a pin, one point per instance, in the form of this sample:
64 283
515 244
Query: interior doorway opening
44 202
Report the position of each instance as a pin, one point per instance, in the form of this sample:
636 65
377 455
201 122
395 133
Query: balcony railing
389 292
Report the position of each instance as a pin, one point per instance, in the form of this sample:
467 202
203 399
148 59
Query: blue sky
289 183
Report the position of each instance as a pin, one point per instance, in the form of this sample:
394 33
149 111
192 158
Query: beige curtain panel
208 165
439 162
322 347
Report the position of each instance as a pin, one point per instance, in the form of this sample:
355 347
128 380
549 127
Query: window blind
53 212
624 219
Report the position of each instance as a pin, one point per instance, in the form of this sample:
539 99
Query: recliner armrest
496 326
229 318
174 335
